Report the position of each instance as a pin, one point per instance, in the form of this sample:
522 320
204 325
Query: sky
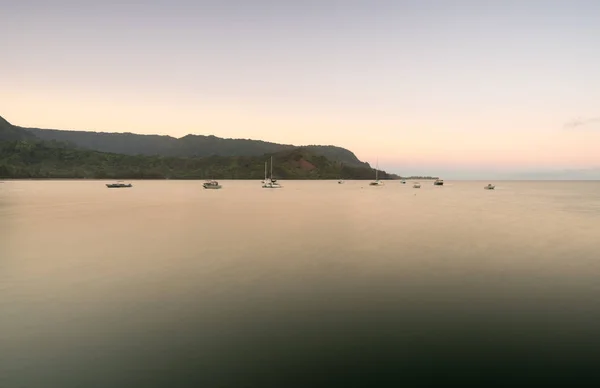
462 89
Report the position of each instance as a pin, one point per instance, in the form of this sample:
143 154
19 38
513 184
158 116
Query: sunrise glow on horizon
422 86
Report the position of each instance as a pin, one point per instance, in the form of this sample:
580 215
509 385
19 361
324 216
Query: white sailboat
270 183
377 182
265 180
341 181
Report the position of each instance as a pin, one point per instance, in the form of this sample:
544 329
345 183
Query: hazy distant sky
457 87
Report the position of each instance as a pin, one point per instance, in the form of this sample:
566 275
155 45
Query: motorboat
211 185
118 185
417 186
489 187
438 182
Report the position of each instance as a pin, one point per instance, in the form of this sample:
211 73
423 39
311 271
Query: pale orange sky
462 87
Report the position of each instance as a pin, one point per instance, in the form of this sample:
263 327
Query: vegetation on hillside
40 159
9 132
187 146
57 154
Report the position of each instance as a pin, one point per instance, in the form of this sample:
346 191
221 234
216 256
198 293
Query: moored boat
270 182
271 185
489 187
118 185
212 185
438 182
377 182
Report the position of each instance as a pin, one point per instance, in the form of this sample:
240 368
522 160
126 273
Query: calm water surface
317 284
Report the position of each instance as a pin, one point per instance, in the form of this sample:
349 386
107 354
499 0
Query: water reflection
168 285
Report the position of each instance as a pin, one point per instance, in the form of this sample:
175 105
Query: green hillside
29 153
39 159
9 132
187 146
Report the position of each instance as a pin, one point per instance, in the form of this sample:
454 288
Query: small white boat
271 185
403 182
211 185
489 187
341 182
438 182
417 186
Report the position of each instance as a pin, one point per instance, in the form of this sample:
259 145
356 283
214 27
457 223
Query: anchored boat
377 182
270 182
212 185
118 185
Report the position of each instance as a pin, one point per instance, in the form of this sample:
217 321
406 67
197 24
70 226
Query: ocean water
315 284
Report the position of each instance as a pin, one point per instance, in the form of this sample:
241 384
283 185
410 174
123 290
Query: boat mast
265 172
377 170
271 168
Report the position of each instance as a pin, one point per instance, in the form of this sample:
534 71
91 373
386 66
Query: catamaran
270 183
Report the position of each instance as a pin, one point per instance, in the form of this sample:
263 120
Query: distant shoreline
184 179
3 180
179 179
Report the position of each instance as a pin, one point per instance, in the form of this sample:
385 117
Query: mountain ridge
190 145
25 156
9 132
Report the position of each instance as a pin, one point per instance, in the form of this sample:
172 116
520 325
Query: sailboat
270 183
265 180
377 181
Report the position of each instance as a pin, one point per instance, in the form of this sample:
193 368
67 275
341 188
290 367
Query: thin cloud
581 122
